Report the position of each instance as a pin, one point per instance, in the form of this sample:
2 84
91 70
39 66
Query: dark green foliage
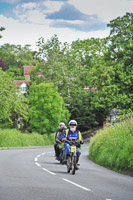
82 110
16 56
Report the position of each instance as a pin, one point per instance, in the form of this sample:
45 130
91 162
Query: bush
14 138
113 146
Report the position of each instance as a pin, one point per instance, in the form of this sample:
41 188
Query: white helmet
74 124
61 124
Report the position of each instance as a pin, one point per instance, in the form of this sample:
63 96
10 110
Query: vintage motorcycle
72 156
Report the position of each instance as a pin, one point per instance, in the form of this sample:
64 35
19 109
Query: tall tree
113 75
102 63
67 67
12 104
120 55
55 65
16 56
47 108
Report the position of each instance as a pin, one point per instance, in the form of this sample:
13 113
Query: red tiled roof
26 73
27 69
19 82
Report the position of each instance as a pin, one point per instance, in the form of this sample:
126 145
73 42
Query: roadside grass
112 147
15 138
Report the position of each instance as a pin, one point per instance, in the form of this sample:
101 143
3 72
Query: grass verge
112 147
15 138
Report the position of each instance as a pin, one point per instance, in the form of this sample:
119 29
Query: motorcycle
61 156
61 152
72 155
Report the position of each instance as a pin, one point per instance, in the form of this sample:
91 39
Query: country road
34 174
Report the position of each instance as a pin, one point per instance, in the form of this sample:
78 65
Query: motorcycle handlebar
58 141
75 142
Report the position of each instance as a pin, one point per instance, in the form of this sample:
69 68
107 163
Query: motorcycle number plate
73 148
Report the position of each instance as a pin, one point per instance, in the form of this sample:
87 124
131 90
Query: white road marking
35 159
48 171
43 154
37 164
84 188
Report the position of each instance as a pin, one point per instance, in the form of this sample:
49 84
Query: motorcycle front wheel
74 158
69 164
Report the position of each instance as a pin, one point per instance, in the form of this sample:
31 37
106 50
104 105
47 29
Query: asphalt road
34 174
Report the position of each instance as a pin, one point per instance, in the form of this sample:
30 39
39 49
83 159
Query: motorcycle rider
57 135
59 138
72 133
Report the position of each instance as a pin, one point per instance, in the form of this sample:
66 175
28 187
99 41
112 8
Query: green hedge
113 147
15 138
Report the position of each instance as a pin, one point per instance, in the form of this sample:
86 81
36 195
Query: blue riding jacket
69 135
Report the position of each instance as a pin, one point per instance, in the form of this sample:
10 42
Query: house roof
27 69
19 82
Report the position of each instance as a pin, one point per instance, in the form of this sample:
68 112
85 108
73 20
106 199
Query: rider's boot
65 159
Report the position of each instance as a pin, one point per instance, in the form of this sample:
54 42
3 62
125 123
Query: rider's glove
63 139
81 141
78 145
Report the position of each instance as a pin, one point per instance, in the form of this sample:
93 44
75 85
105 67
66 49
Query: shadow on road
52 163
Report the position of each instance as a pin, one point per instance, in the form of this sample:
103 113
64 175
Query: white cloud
72 21
26 6
53 13
53 6
16 33
32 23
28 12
33 17
22 34
106 9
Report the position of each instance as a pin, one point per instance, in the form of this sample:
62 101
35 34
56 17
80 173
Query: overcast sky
28 20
